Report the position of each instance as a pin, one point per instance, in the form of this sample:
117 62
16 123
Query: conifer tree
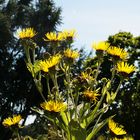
17 90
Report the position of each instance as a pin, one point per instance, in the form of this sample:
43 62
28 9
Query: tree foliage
128 113
17 91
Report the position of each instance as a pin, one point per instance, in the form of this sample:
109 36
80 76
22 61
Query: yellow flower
124 68
124 138
69 34
54 37
101 46
27 33
43 66
54 106
12 120
71 54
86 76
115 128
51 62
91 95
117 53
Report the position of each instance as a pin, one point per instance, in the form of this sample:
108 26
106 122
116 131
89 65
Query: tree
17 91
128 113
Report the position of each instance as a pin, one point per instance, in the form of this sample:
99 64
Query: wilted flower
117 53
116 128
12 120
27 33
54 106
124 68
91 95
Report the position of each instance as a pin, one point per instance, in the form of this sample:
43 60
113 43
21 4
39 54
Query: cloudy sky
95 20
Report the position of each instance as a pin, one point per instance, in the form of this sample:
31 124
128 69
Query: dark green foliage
128 113
17 90
127 106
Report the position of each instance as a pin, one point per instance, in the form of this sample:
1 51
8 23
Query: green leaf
110 97
64 117
30 68
38 85
90 117
28 138
105 88
97 128
76 131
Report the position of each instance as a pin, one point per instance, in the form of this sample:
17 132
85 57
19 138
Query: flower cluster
79 104
60 36
118 55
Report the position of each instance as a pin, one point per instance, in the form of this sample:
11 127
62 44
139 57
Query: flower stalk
74 107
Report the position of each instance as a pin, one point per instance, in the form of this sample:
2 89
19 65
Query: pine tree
17 90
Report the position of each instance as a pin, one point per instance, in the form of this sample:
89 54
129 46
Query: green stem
56 83
69 91
97 121
33 55
118 86
39 87
69 84
83 111
97 72
113 73
18 136
42 96
48 86
27 53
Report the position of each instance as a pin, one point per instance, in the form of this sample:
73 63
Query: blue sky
95 20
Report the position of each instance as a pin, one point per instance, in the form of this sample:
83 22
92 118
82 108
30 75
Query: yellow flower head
86 76
91 95
124 68
71 54
54 106
54 37
51 62
27 33
117 53
101 46
116 128
124 138
69 34
12 120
